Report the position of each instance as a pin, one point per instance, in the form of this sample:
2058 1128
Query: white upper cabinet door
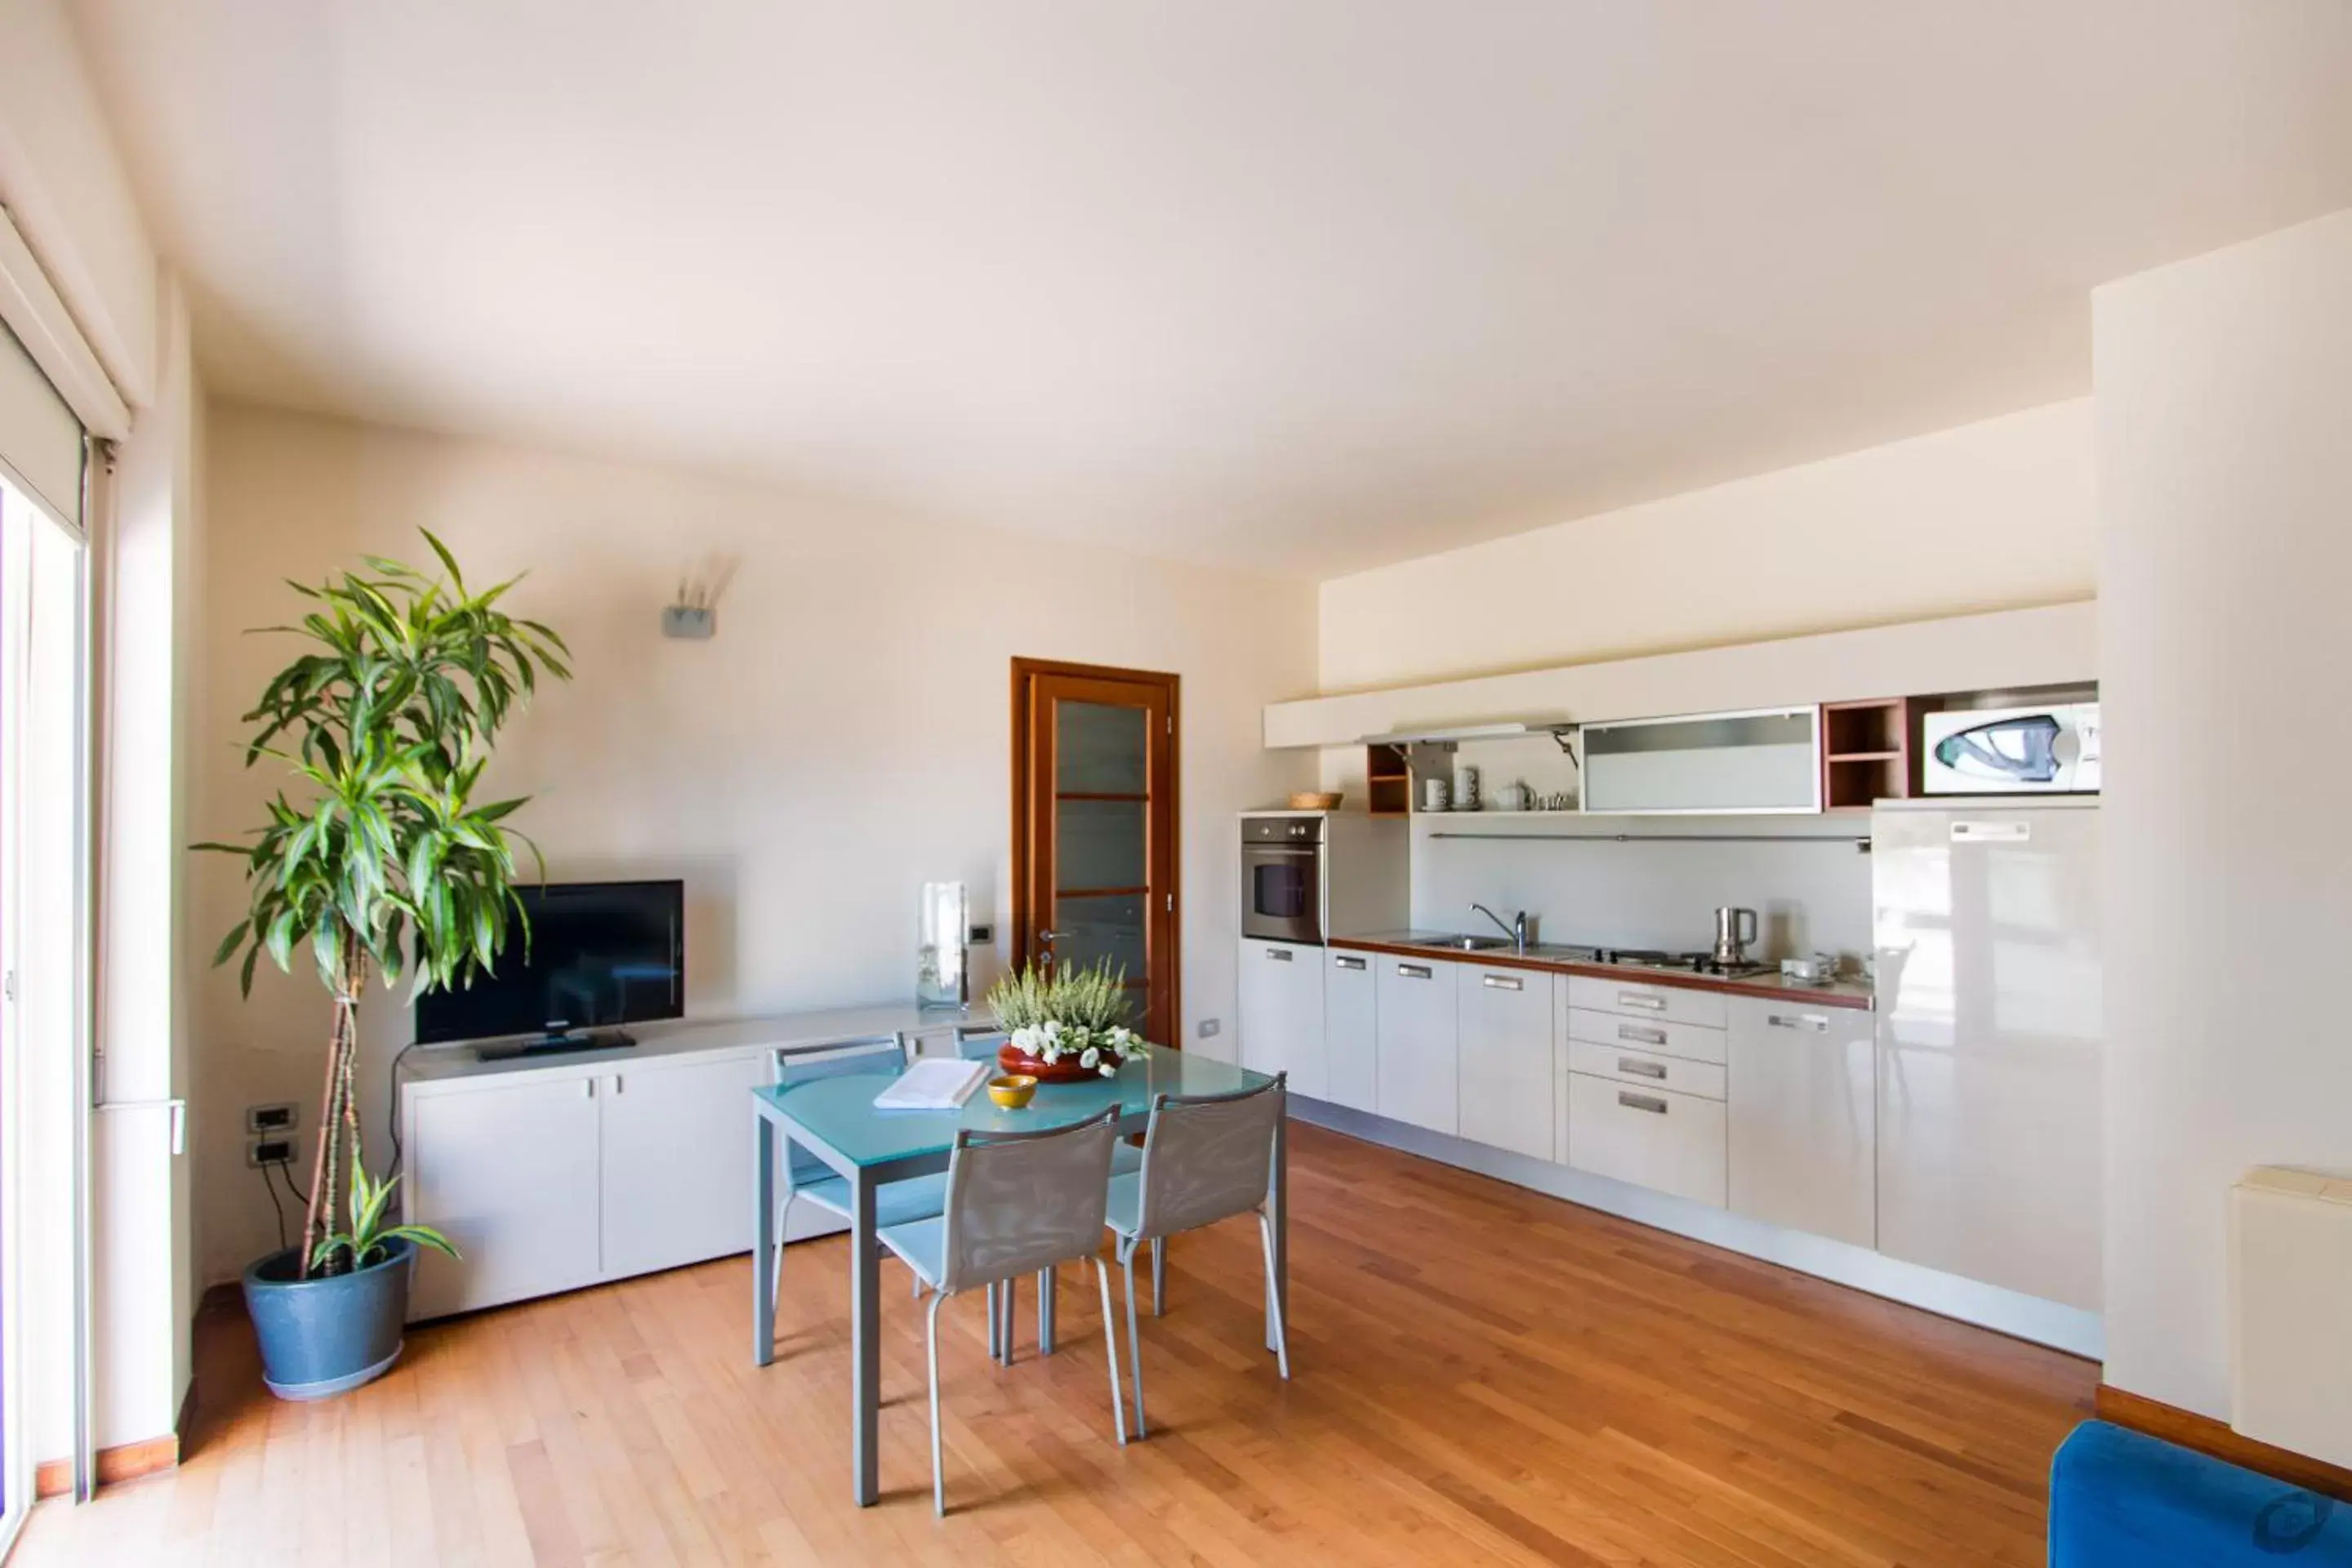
1282 1012
677 1160
1419 1055
1351 1058
1506 1059
1804 1105
508 1171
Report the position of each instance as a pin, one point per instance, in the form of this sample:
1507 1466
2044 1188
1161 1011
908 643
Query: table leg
1045 1281
1278 1200
763 1239
865 1343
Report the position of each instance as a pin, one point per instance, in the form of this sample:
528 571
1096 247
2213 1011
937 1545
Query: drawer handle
1344 961
1812 1021
1636 999
1641 1036
1641 1069
1648 1102
1279 955
1503 982
1413 971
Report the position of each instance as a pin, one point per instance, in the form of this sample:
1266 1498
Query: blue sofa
2120 1498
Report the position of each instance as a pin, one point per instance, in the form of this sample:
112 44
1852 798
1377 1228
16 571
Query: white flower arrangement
1079 1013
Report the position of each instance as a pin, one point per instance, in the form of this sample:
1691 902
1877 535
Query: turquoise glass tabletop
840 1112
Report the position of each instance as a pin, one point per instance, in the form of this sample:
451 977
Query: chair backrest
1206 1157
881 1054
1019 1202
976 1043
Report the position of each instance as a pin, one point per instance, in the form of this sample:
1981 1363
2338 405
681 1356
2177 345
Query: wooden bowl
1314 800
1012 1090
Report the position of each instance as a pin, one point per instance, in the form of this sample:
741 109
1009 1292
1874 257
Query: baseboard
2218 1439
123 1462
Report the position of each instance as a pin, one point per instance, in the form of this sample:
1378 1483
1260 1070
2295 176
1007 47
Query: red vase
1013 1059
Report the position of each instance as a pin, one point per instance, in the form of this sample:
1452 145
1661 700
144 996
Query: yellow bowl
1012 1090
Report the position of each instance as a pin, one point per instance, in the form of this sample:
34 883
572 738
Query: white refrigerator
1987 937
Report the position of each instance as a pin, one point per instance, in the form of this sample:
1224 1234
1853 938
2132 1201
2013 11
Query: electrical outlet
260 1151
281 1117
981 936
1211 1028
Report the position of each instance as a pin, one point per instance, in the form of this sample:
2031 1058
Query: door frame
1024 674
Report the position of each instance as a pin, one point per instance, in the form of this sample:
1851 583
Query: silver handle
616 1083
1640 1036
1648 1102
588 1086
1812 1021
1413 971
1503 981
1050 935
1344 961
1636 999
1641 1069
1279 955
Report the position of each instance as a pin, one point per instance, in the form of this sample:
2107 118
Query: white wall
843 740
2225 548
1982 517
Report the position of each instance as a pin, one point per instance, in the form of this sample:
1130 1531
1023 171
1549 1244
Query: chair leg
939 1476
1134 1341
1110 1347
1010 1303
995 1328
1159 1276
1274 1297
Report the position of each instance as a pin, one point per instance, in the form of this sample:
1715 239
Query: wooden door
1094 828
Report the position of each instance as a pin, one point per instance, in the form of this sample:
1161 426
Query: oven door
1282 892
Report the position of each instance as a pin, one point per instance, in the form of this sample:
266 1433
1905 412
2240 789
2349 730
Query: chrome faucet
1515 928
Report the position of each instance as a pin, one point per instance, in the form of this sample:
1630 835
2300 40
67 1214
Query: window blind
40 441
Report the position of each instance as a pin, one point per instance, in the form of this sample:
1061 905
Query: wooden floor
1483 1375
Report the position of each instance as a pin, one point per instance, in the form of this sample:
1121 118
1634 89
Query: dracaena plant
381 861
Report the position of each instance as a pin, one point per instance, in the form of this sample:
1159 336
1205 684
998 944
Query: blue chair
1017 1203
805 1178
1205 1158
2120 1498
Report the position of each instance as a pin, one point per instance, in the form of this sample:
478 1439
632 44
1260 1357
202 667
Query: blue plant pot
326 1336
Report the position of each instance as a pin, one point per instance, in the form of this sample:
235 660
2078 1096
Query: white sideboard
553 1172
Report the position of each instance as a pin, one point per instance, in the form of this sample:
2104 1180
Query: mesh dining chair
1016 1203
979 1043
806 1178
1205 1158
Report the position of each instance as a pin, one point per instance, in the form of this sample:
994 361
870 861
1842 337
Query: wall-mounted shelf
1866 752
1388 779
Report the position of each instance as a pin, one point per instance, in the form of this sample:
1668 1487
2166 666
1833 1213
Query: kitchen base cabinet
677 1183
1650 1137
1804 1134
1352 1060
1282 1012
1419 1042
508 1171
1505 1082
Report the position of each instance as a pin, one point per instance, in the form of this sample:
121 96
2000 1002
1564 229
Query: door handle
1343 961
1279 955
616 1083
1812 1021
1503 981
1413 971
588 1086
1640 1069
1648 1102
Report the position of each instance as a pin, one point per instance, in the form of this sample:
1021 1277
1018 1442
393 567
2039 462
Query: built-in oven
1282 879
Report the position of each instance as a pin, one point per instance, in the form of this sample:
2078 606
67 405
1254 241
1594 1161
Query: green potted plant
388 865
1066 1022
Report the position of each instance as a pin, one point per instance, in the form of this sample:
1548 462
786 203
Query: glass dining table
835 1119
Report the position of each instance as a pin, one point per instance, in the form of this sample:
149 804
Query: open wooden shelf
1388 781
1866 752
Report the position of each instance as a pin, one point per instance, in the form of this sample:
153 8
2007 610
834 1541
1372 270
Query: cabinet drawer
1694 1042
1646 1069
1678 1003
1651 1137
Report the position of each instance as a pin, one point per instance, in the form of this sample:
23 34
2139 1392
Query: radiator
2291 1311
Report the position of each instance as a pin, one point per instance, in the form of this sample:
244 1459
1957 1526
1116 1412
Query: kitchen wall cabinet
1803 1118
1764 761
1505 1052
1351 1062
675 1185
1281 1000
1419 1042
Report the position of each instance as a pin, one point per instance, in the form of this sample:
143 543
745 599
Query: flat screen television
602 954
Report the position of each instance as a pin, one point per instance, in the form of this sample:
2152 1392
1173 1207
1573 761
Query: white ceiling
1305 285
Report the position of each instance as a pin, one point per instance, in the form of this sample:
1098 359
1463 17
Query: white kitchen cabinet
675 1172
1419 1048
508 1172
1506 1083
1351 1058
1803 1126
1282 1012
1650 1137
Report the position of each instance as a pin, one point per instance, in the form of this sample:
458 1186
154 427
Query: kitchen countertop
1854 993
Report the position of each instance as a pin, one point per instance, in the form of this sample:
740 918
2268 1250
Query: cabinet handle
1641 1069
1503 981
1636 999
1640 1036
588 1086
1648 1102
1344 961
1812 1021
616 1083
1413 971
1279 955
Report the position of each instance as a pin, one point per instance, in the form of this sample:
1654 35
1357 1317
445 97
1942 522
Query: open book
935 1083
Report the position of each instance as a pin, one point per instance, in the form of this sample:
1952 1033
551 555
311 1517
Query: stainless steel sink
1461 943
